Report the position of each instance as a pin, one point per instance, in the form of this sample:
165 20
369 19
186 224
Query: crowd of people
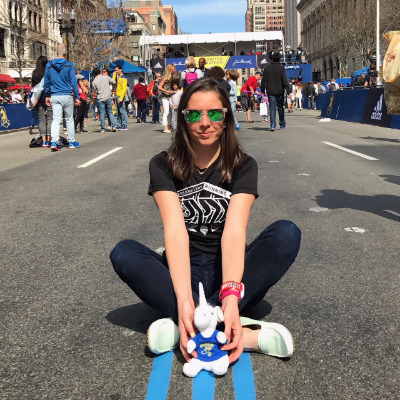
68 97
15 96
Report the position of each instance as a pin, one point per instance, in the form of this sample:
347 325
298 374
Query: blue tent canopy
361 71
127 67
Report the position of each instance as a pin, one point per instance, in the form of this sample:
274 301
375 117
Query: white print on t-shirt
204 207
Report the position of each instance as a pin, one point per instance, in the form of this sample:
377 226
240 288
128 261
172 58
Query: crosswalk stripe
160 376
243 379
203 386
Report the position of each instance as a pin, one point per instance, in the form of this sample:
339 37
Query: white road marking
99 158
351 151
354 229
273 161
304 174
318 209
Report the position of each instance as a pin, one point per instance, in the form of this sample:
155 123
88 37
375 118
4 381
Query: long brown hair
181 156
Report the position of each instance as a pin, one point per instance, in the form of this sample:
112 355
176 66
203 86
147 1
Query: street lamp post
67 27
378 54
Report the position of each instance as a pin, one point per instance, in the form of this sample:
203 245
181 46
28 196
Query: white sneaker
162 336
274 339
167 131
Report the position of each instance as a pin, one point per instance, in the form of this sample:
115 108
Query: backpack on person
190 77
153 89
332 86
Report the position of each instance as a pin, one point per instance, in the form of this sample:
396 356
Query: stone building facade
292 24
320 24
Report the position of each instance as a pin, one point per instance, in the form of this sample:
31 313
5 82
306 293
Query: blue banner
179 63
14 116
299 70
240 62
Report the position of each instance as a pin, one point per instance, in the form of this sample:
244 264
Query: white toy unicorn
208 341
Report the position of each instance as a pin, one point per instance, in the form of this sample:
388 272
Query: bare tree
93 41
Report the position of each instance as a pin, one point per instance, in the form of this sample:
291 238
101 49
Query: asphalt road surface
70 329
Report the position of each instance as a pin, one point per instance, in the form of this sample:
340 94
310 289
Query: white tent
209 44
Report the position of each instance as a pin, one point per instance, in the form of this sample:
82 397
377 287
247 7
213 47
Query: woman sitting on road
204 187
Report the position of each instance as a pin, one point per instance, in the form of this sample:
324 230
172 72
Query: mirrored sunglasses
215 114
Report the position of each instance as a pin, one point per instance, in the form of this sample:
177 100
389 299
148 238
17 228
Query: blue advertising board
296 70
14 116
240 62
179 63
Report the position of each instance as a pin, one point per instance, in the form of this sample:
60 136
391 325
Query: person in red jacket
140 93
247 91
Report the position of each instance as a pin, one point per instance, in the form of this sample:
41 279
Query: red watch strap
227 293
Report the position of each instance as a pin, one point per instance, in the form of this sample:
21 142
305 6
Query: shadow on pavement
384 205
391 179
380 139
136 317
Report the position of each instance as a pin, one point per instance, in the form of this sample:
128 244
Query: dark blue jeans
156 110
274 103
267 259
141 112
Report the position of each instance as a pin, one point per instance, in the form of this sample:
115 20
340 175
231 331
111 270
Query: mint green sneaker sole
162 336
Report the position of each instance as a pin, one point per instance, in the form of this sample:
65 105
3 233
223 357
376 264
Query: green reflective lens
193 115
215 115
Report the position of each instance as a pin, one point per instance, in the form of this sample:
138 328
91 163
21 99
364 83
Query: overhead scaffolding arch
210 44
113 28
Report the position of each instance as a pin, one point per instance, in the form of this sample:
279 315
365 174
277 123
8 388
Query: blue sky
205 16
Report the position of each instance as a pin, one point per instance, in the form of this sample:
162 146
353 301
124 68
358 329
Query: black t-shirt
205 199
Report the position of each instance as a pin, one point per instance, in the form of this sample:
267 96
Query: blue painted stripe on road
160 376
243 379
203 386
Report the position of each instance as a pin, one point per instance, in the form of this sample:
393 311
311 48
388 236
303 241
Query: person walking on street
80 110
45 113
154 94
247 92
299 95
231 77
121 93
190 74
61 89
102 87
140 93
274 83
166 91
174 100
312 94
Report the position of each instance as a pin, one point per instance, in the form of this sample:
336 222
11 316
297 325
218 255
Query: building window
2 47
12 44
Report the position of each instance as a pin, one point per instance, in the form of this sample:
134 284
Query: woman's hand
186 327
233 328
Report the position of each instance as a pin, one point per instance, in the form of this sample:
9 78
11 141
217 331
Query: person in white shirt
175 99
16 97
